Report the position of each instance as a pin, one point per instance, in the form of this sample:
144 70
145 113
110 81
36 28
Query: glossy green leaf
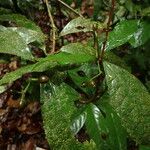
78 122
122 33
28 35
78 48
37 67
115 135
141 36
93 125
57 110
132 31
131 101
80 24
12 43
20 21
105 127
60 60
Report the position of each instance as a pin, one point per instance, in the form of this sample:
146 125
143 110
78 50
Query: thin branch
107 30
54 29
77 13
100 78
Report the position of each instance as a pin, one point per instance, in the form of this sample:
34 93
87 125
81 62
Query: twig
54 29
77 13
101 77
107 30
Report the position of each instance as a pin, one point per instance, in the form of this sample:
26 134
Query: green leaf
105 127
84 77
132 31
141 36
131 101
57 110
20 21
90 145
115 135
12 43
28 35
78 121
59 61
78 48
122 33
80 24
114 59
93 125
37 67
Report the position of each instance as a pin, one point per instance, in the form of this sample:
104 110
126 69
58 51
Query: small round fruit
43 79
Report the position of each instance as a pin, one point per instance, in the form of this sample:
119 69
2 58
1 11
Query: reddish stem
111 12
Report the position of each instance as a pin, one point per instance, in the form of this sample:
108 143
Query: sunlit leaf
131 101
28 35
12 43
122 33
80 24
132 31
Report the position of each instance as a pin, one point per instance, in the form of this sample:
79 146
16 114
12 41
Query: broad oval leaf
131 101
29 35
132 31
81 24
60 60
12 43
122 33
57 110
20 21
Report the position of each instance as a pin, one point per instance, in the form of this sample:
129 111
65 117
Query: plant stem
54 29
100 78
77 13
107 30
